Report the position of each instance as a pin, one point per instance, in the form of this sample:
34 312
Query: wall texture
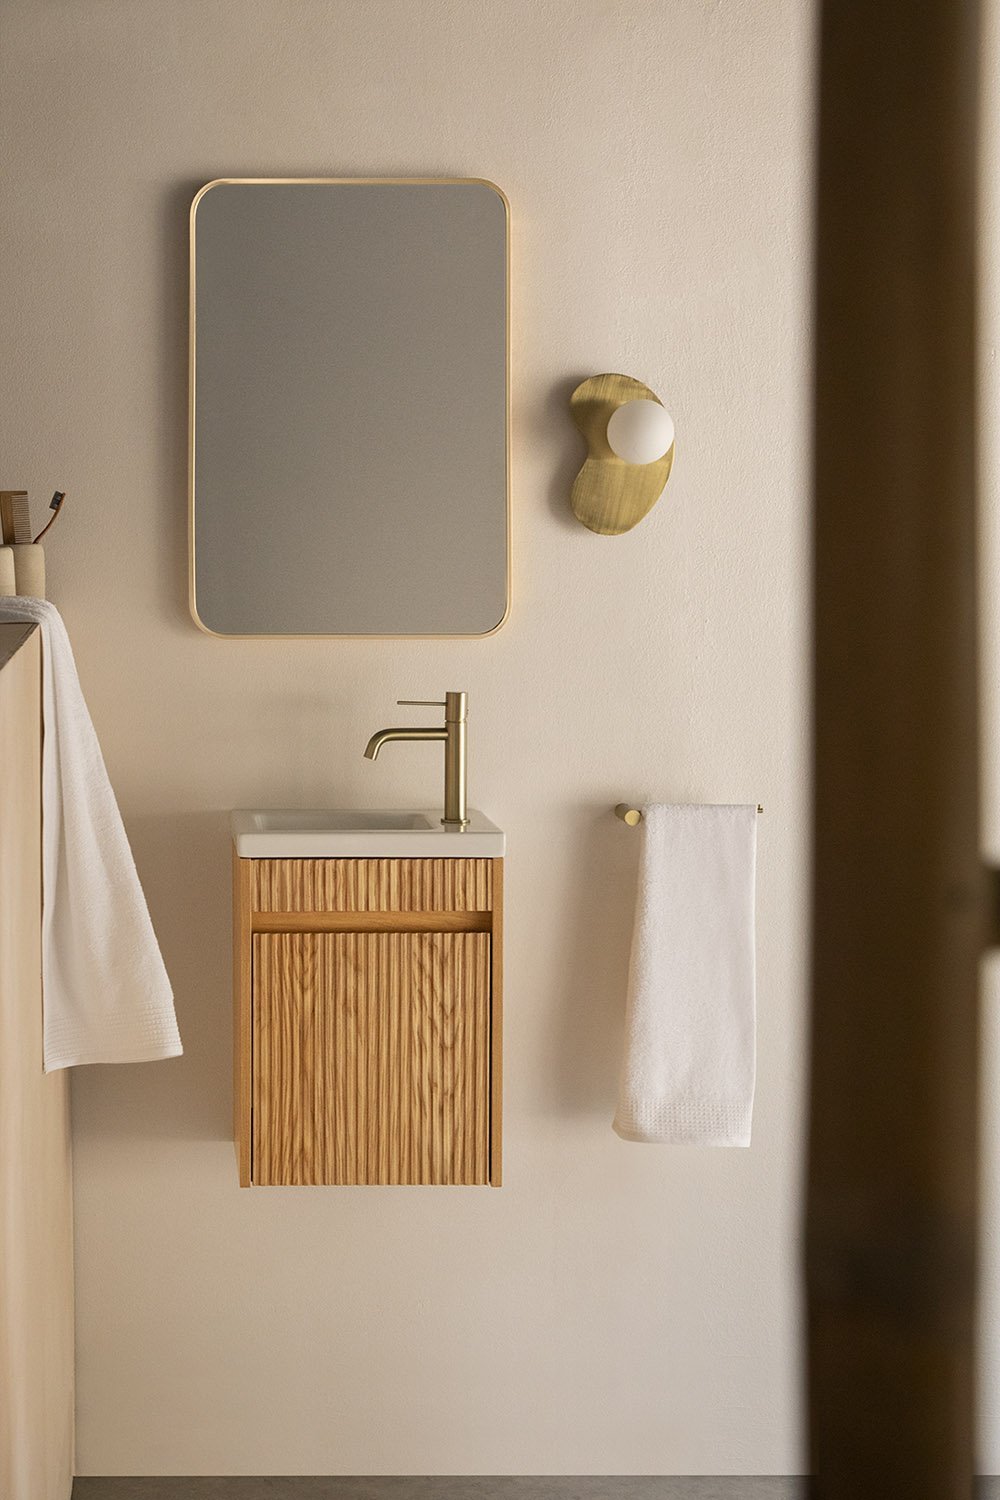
614 1308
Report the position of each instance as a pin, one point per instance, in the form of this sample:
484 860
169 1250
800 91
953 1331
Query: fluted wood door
371 1058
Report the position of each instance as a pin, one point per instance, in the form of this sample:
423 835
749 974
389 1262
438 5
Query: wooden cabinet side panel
496 1030
371 1058
372 885
242 1003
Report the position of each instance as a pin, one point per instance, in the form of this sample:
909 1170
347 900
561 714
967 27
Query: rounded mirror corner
205 189
482 635
219 635
494 187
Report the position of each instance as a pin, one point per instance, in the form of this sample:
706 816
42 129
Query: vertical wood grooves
372 885
341 1026
261 1065
368 1053
455 1164
371 1057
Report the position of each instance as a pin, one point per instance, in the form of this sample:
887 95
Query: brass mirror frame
192 330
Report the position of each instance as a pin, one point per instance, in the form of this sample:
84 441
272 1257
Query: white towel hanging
689 1065
106 995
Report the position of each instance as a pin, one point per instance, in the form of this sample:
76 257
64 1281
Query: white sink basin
354 833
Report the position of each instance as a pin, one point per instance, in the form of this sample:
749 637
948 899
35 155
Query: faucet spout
453 735
387 736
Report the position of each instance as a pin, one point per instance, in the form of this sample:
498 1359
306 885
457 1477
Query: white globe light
640 431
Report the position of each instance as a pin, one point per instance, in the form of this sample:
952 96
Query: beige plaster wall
614 1308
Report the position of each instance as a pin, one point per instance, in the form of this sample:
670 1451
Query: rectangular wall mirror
349 407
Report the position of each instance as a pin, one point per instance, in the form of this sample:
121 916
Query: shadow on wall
184 864
173 405
592 965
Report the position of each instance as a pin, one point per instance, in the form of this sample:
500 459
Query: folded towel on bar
688 1071
106 995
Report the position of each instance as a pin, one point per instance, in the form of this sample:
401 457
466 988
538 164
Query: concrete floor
597 1487
447 1488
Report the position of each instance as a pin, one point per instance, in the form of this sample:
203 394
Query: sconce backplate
609 495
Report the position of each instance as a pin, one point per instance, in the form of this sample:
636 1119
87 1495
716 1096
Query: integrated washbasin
360 833
376 833
337 820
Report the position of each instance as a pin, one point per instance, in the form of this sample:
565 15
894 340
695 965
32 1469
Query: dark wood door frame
899 893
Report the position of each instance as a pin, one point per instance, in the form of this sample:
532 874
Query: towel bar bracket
633 816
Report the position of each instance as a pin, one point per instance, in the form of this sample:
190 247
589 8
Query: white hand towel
688 1072
106 994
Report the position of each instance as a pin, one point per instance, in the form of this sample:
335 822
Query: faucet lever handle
420 703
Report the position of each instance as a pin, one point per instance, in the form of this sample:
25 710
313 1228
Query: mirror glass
349 463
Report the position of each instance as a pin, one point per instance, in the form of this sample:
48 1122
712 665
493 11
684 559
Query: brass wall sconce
630 452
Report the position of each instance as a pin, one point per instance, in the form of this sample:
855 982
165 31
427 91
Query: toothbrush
56 505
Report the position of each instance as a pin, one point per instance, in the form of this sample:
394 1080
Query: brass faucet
455 749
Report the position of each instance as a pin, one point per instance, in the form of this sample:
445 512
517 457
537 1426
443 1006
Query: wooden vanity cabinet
367 1014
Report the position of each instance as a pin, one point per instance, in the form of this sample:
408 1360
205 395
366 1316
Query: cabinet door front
371 1057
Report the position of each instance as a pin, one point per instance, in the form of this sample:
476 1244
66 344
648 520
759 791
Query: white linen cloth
106 995
689 1064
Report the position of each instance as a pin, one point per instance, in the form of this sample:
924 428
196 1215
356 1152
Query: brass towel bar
633 815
